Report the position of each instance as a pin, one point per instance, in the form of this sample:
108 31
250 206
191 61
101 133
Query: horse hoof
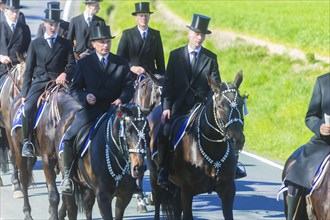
1 183
18 194
142 209
150 201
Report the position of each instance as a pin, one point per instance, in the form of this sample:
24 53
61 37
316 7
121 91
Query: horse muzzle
138 170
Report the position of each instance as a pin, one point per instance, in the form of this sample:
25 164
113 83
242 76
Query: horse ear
214 85
238 79
153 78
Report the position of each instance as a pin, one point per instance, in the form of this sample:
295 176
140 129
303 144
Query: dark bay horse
59 109
113 161
148 95
204 159
11 87
317 206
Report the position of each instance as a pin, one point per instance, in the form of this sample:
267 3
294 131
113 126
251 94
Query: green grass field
279 87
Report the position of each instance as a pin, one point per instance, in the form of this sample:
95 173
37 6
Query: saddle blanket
318 177
17 121
183 128
91 133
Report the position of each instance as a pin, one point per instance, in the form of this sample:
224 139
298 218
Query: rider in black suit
100 79
80 28
12 41
311 154
142 54
64 25
50 57
186 84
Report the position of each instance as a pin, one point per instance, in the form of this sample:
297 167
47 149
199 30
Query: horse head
134 127
148 91
228 110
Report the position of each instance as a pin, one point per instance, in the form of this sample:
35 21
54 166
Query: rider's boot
293 207
28 147
163 154
239 172
67 183
294 197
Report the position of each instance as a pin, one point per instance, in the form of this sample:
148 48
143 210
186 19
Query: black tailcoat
44 64
12 42
184 87
310 155
149 53
79 32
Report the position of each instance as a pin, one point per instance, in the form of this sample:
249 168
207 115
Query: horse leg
104 200
48 163
69 205
155 190
89 200
141 204
25 175
122 202
227 199
16 184
186 202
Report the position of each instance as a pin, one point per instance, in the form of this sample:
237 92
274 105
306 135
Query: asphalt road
255 197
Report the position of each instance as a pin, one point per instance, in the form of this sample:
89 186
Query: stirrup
29 154
62 187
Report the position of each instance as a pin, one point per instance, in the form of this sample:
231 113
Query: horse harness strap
220 128
216 164
122 146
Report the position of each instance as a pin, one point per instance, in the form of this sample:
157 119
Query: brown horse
148 95
204 160
10 89
315 205
58 105
113 161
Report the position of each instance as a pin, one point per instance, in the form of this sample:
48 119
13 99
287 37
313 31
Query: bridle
220 126
121 145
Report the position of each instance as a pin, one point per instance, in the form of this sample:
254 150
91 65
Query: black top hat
53 5
101 32
92 1
13 4
199 24
53 15
142 7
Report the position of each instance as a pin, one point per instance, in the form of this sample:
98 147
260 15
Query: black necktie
103 64
13 27
51 42
193 60
89 19
144 35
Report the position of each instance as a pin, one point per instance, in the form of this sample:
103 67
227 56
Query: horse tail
171 202
4 148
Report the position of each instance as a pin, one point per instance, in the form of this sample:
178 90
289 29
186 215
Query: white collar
197 50
46 36
100 57
141 31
